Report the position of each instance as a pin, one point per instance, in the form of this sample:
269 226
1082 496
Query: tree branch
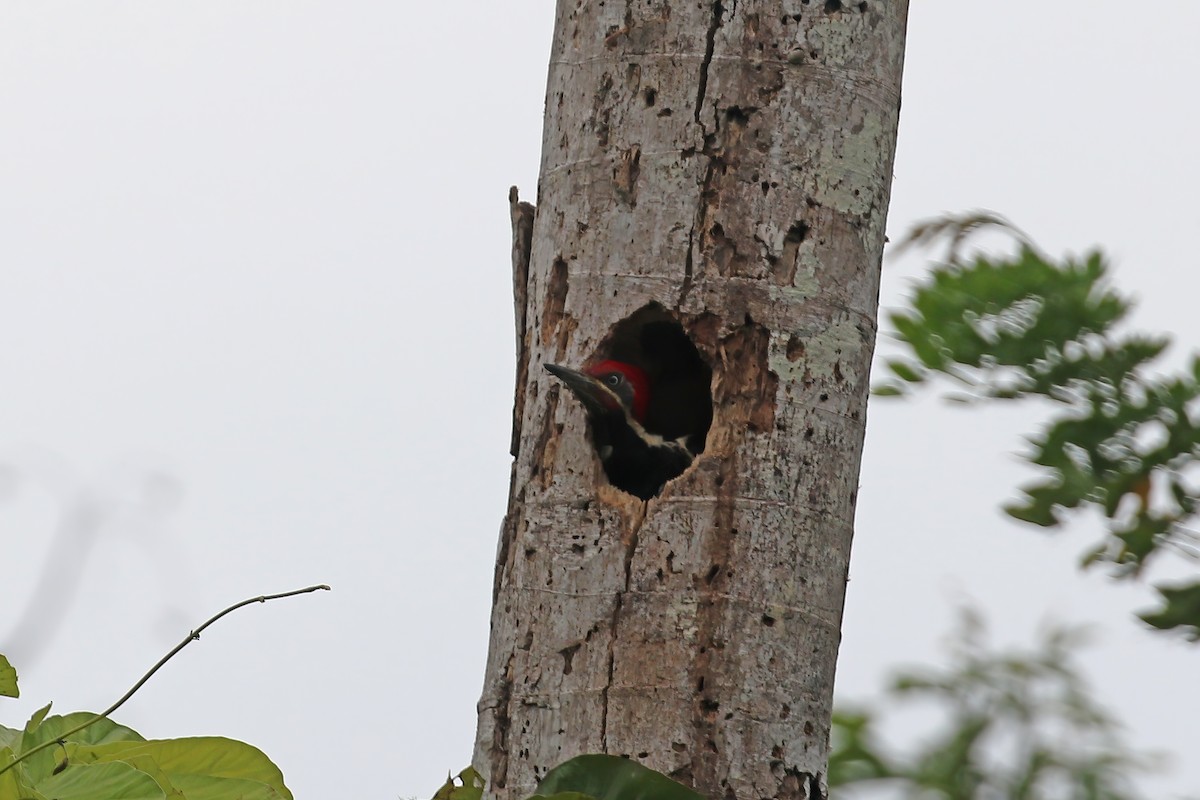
192 636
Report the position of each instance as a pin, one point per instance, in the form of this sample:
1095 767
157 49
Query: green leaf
8 679
1019 324
11 787
1039 505
139 762
1181 609
114 781
37 717
201 768
905 371
469 786
41 765
887 390
1140 540
564 796
605 777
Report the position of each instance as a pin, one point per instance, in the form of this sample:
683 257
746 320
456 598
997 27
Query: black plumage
614 395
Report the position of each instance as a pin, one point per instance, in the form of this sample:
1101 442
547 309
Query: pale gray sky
259 252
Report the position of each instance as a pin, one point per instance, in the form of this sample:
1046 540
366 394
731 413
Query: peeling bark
522 228
731 163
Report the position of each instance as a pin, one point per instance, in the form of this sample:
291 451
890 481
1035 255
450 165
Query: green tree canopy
1121 436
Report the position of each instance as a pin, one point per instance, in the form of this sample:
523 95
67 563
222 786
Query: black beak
595 396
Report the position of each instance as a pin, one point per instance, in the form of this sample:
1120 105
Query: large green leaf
115 781
142 763
202 768
605 777
40 730
11 787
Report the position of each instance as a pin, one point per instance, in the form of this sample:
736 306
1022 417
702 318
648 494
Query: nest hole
680 406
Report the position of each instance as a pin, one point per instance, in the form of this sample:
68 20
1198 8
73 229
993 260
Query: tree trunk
727 164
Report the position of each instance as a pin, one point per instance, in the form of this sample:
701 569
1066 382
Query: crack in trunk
688 266
710 43
635 527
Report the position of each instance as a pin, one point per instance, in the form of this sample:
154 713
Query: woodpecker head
608 387
616 397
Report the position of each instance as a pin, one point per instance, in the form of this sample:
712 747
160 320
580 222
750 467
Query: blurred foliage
1016 725
1008 724
1120 438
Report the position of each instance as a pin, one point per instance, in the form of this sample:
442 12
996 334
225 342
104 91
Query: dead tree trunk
727 165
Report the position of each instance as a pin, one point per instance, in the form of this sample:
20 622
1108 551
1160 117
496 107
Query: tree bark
730 162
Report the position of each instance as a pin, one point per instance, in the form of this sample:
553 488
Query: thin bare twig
192 636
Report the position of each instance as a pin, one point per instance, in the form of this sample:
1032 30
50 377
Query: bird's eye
612 379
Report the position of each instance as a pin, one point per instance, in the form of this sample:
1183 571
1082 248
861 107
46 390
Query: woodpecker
617 396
